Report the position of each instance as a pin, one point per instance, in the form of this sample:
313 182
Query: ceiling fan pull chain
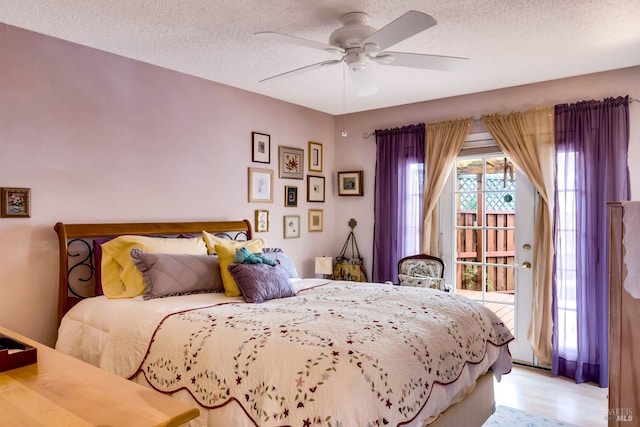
344 102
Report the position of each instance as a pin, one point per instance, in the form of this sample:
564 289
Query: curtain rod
366 135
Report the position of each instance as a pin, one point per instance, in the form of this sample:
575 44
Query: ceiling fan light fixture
356 60
357 66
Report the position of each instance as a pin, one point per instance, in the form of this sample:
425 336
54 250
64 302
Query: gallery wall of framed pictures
291 163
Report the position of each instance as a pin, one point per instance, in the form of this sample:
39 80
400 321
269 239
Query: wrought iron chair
424 271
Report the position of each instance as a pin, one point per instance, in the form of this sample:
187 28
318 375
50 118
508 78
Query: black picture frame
260 147
315 188
350 183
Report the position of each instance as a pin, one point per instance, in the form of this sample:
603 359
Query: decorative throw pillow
226 254
261 282
282 260
177 274
97 259
121 278
212 240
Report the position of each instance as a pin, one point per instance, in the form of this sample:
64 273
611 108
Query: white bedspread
339 353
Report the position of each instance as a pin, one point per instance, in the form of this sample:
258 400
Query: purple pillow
177 274
261 282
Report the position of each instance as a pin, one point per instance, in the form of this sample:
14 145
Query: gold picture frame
260 186
262 221
315 157
290 196
16 202
316 217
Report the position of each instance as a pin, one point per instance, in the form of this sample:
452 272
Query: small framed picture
350 183
290 196
16 202
315 219
262 221
260 185
291 225
261 147
315 188
315 157
291 162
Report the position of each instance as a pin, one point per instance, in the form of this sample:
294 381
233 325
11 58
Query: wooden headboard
75 245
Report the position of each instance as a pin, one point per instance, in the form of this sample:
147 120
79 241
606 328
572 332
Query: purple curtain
592 140
398 197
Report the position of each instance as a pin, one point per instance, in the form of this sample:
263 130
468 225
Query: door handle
526 265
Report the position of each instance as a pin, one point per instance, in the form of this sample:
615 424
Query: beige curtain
527 139
443 143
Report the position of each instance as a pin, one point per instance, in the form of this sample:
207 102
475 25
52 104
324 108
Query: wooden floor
537 391
501 303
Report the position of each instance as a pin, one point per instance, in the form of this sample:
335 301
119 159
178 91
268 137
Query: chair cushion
421 282
421 268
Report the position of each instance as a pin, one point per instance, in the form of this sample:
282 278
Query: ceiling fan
359 45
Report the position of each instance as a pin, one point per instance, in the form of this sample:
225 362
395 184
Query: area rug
511 417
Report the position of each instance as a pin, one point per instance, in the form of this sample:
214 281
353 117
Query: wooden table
63 391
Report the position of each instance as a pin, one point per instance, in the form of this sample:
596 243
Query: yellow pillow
226 253
121 278
212 241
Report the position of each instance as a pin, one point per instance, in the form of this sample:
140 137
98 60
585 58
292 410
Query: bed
330 353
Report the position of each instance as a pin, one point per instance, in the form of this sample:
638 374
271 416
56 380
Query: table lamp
324 266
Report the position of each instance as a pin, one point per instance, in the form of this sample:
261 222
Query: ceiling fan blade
304 69
364 81
417 60
409 24
269 35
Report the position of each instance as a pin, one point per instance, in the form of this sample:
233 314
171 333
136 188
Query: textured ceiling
508 43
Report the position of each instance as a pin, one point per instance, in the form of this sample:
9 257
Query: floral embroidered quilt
337 354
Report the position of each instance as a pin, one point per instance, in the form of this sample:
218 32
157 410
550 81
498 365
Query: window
566 250
413 200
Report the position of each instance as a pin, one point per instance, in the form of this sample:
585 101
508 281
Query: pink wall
355 152
102 138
